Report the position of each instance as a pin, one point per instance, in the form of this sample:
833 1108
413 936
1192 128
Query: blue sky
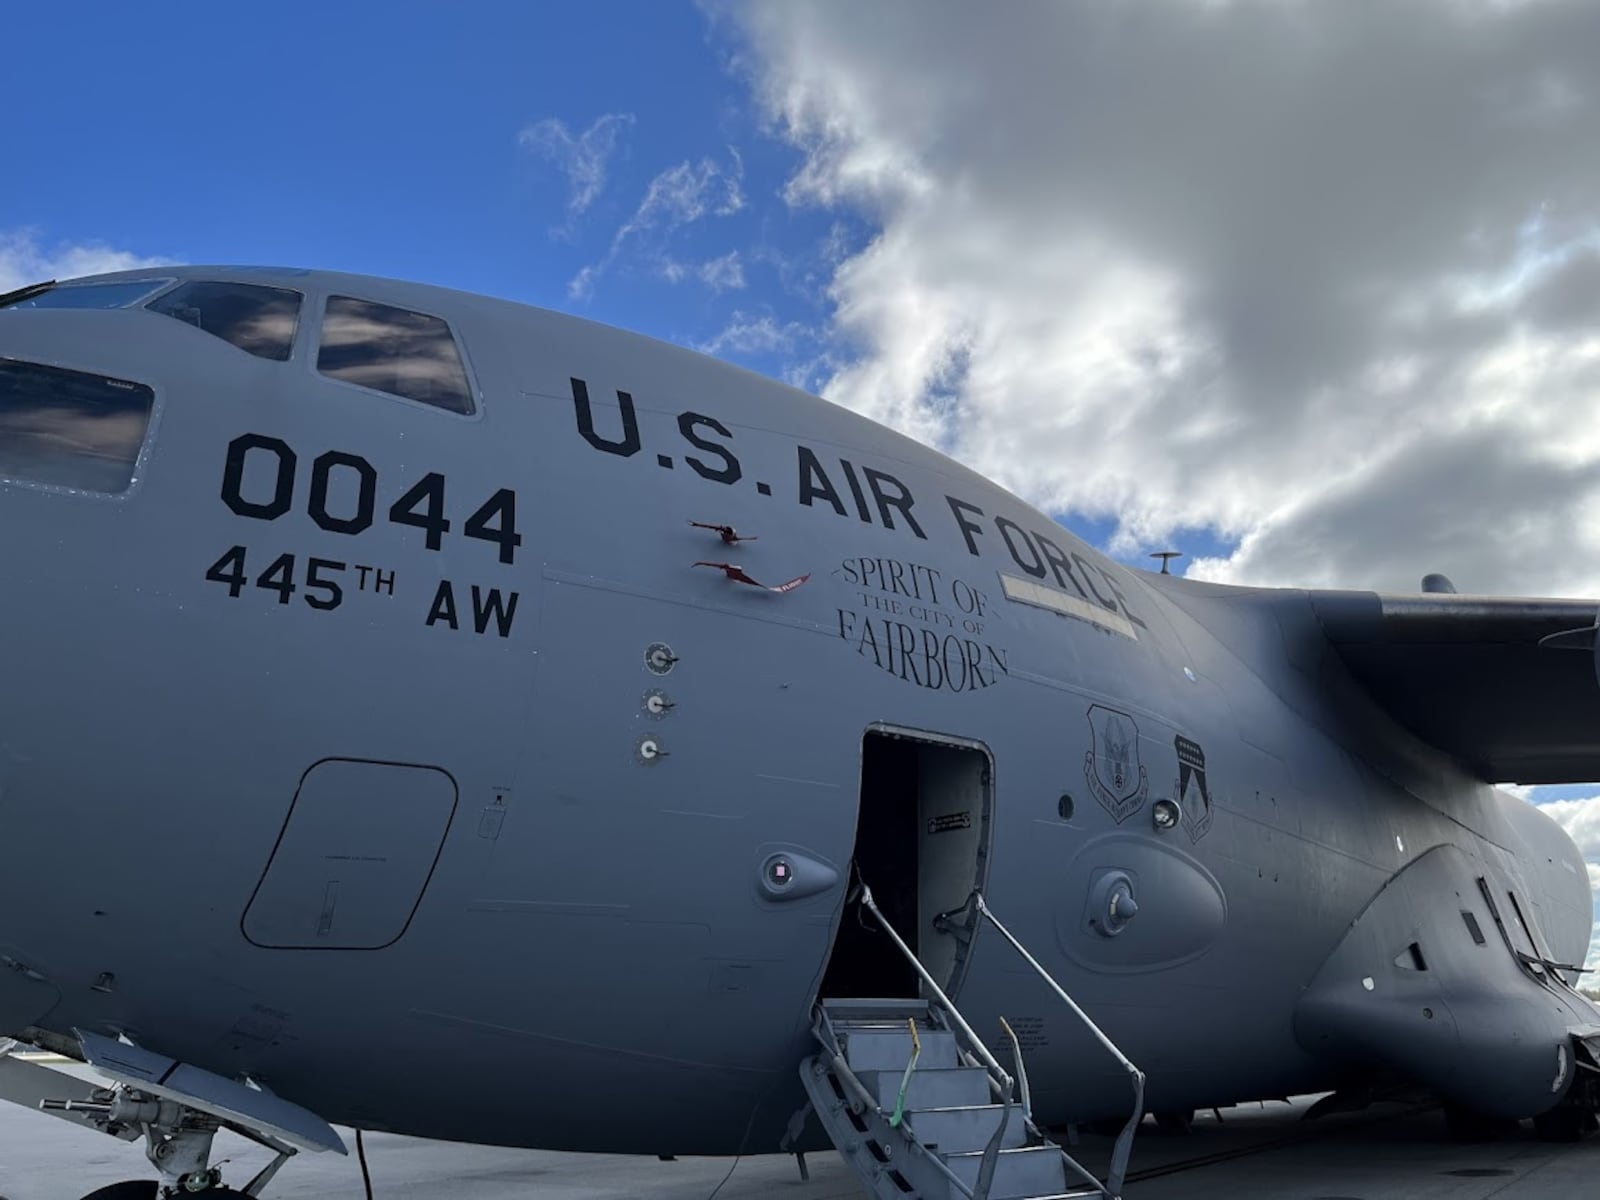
394 139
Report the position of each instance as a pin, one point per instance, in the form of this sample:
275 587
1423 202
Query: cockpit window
393 350
259 320
86 295
70 429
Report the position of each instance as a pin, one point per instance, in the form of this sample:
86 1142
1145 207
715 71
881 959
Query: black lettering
972 655
849 568
899 499
961 684
897 578
361 584
383 581
229 569
997 656
233 477
730 471
814 483
907 639
867 636
502 509
444 605
427 491
930 660
279 577
855 490
1007 527
316 583
503 611
367 488
1059 564
847 624
1088 571
1111 581
968 528
628 444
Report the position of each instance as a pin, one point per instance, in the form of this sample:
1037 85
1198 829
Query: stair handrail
1124 1145
1022 1069
976 1043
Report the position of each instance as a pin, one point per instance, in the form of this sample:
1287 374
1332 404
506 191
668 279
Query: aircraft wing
1506 685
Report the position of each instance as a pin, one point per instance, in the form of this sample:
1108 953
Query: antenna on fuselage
1438 584
1166 557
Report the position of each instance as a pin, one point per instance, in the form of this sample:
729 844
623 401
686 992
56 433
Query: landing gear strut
177 1140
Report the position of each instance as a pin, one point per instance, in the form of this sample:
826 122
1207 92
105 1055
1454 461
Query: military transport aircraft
430 714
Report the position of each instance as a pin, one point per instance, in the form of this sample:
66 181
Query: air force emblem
1191 792
1112 766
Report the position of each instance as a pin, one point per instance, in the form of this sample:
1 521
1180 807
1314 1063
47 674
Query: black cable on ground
726 1177
361 1154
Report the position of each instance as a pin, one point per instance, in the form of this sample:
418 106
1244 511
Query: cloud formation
678 196
24 259
1323 279
582 158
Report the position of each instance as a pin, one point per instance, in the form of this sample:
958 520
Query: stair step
1032 1171
937 1087
956 1130
876 1012
890 1050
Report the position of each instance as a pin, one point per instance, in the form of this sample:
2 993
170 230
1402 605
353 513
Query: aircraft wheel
1564 1123
133 1189
1176 1123
1468 1125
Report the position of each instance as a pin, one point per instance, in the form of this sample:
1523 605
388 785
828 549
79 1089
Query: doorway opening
922 843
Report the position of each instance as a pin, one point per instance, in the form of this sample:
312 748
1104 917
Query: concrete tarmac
1253 1153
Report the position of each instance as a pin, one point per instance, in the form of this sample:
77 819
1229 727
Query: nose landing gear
177 1141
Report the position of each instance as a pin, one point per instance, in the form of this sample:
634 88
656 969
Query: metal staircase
921 1109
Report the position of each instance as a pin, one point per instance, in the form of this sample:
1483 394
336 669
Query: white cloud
681 195
1581 819
1322 278
583 158
748 333
24 260
719 274
686 193
723 274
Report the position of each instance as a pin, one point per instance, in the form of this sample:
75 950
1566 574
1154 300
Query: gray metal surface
658 770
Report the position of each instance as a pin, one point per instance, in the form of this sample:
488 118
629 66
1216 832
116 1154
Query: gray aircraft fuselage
472 836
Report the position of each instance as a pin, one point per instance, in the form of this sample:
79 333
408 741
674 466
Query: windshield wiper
26 293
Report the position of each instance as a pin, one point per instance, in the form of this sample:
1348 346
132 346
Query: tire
1564 1123
133 1189
1470 1127
1176 1124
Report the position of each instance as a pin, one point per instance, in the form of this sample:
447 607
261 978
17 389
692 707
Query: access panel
354 857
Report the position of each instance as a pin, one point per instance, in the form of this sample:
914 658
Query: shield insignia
1191 791
1112 767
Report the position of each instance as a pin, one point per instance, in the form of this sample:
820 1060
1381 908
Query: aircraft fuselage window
393 350
258 320
91 295
70 429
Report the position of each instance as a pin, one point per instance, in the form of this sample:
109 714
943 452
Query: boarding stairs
921 1109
